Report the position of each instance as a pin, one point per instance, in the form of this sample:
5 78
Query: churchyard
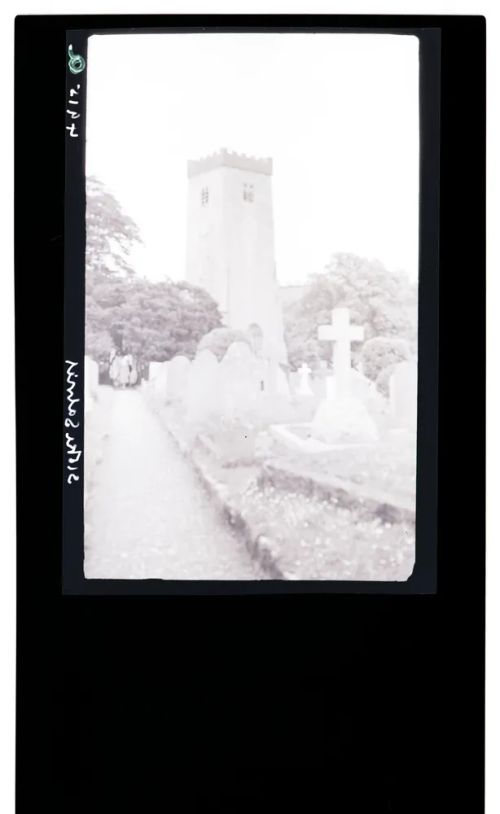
271 433
315 469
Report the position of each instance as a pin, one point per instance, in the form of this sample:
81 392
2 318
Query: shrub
381 352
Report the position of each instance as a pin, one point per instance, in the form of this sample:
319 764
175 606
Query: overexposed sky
338 113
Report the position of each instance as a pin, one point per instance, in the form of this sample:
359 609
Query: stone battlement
226 158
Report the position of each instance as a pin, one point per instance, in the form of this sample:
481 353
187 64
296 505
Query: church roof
225 158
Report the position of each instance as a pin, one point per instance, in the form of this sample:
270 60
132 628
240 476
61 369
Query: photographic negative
251 306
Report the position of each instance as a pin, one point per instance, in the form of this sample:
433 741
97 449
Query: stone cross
341 333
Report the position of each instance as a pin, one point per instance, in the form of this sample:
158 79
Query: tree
152 320
383 302
166 319
110 234
382 352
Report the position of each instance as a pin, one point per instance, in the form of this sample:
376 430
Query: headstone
341 418
403 395
341 333
177 379
304 389
239 378
203 396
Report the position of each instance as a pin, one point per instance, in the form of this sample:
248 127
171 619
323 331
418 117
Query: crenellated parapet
226 158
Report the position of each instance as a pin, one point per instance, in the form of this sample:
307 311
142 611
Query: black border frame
415 740
423 578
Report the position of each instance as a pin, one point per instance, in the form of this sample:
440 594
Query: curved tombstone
203 397
177 379
240 378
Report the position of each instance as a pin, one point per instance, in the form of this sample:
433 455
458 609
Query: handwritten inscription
73 112
71 422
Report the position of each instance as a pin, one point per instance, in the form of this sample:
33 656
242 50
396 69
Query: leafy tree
152 320
382 351
110 234
383 302
161 320
219 339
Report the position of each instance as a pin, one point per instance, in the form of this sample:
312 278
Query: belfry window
248 192
204 196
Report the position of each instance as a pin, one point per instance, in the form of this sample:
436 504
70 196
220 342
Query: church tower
230 249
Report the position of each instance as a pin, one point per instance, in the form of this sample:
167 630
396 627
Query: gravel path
147 516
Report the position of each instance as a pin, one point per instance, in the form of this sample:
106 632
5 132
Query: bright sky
338 113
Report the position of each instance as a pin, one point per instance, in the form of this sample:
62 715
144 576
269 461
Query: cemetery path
147 515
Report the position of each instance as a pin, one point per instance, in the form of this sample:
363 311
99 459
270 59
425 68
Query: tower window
204 196
248 192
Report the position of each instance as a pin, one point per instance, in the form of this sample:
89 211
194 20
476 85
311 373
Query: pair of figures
122 369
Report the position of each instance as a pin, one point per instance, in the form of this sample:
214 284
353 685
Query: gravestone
239 378
403 395
203 396
341 417
341 333
177 379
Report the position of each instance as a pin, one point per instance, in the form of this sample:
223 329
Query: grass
315 539
318 540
